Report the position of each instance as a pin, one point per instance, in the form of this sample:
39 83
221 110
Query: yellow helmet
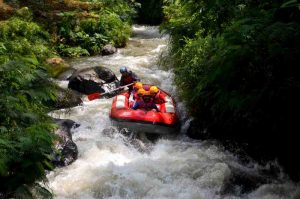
138 85
141 92
153 90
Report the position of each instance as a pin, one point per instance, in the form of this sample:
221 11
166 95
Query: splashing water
111 165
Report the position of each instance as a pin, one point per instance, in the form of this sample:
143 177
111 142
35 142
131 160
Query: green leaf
7 144
31 59
42 192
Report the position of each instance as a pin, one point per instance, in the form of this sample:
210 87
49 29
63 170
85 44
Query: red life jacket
159 98
135 96
147 102
128 79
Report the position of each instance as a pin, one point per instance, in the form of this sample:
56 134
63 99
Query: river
111 165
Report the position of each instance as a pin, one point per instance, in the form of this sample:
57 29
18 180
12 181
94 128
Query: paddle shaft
119 88
98 95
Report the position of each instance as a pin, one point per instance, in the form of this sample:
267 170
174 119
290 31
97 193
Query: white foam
112 167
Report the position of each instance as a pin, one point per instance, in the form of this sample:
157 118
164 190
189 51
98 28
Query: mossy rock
24 13
57 66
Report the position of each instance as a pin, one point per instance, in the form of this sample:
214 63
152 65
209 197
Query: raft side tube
145 127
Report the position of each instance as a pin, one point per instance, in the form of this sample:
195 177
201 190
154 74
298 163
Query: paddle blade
94 96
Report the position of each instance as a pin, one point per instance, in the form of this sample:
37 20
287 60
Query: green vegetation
25 129
86 32
82 28
19 38
236 65
87 35
28 37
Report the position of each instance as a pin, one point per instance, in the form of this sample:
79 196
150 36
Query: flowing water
111 165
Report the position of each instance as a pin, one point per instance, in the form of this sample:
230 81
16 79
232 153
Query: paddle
98 95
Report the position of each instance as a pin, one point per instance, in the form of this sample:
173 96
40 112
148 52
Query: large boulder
67 98
66 150
108 50
94 79
57 65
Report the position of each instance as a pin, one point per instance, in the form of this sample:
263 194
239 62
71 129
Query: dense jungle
231 65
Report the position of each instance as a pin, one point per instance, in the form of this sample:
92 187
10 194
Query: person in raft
128 77
133 94
156 95
144 101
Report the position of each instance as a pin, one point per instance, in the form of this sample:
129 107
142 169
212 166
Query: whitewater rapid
111 165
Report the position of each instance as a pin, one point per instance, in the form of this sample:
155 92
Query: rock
260 145
196 131
67 98
6 10
57 66
137 140
24 13
66 150
91 80
108 50
66 75
55 60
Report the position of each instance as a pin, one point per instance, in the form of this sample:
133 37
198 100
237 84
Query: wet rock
66 150
241 182
108 50
196 131
2 195
66 75
67 98
110 132
138 141
94 79
260 145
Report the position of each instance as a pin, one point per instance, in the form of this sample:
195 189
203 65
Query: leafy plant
72 51
19 37
91 33
236 65
26 131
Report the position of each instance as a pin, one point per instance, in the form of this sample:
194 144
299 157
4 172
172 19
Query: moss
56 66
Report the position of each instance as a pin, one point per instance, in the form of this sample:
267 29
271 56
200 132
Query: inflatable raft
164 121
